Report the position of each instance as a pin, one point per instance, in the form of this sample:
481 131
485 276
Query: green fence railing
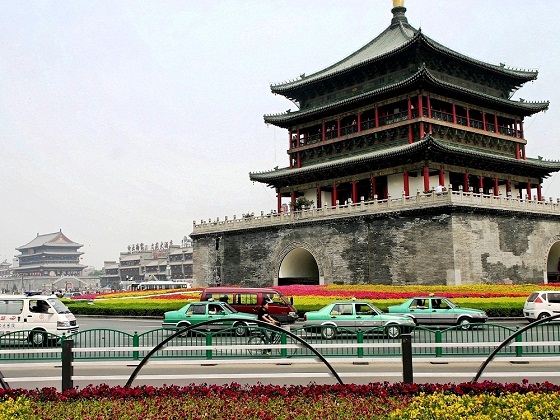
479 340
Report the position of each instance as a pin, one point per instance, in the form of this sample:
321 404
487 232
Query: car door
343 315
366 316
40 315
218 312
420 309
196 313
441 312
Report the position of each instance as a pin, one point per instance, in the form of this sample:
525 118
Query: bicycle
262 339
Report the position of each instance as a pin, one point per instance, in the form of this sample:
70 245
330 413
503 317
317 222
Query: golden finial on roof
398 3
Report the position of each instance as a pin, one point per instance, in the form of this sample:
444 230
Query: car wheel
543 315
240 329
184 325
464 323
393 331
328 332
37 338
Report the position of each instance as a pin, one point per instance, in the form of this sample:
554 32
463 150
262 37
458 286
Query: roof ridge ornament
398 11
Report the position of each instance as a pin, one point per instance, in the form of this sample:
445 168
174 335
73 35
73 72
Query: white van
38 314
542 304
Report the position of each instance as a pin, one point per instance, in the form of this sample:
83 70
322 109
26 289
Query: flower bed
486 400
500 300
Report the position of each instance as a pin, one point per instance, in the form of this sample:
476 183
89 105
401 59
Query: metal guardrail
104 344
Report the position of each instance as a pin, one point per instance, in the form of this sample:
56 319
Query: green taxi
437 310
197 312
354 315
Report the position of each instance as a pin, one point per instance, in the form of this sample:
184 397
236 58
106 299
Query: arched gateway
298 267
407 164
553 263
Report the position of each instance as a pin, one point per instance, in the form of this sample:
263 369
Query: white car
542 304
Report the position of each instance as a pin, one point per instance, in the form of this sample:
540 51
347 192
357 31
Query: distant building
5 269
163 261
52 255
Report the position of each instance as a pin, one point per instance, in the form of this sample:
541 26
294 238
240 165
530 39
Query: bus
162 284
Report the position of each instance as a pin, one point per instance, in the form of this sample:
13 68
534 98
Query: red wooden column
426 178
292 199
480 184
323 133
373 187
359 122
406 184
298 160
376 117
496 123
517 152
454 111
298 140
410 138
484 121
429 104
539 192
421 114
515 130
319 202
521 133
468 117
496 187
441 178
279 200
334 195
508 187
338 129
465 182
529 191
354 191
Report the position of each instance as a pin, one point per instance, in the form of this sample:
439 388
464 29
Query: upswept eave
285 118
427 143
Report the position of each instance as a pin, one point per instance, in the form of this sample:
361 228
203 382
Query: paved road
141 325
270 371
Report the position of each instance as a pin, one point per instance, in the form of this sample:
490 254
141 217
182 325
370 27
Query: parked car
353 315
197 312
542 304
437 310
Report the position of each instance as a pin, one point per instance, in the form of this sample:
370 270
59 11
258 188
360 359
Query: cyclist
265 316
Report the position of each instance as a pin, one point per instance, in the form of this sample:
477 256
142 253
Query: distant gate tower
407 164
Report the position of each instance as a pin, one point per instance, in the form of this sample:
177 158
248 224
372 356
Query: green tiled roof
397 37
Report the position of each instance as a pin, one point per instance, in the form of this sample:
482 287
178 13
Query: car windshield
58 306
230 308
450 303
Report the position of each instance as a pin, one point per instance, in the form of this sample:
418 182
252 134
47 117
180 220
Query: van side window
38 306
554 297
11 307
246 299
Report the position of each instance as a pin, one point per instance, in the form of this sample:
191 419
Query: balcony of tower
508 135
467 200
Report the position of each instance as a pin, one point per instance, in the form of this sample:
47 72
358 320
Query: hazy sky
123 121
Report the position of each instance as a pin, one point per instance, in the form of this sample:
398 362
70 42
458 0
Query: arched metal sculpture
259 323
506 342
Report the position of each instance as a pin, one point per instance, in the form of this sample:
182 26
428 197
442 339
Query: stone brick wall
449 245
